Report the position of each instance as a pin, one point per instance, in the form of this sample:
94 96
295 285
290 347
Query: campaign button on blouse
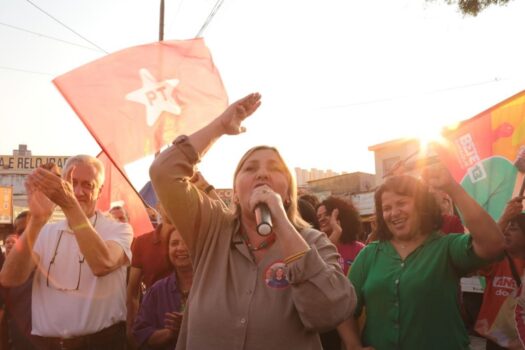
276 275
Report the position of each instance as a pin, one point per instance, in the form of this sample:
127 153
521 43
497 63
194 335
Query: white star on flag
156 96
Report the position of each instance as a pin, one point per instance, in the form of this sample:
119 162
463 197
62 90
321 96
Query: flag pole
161 21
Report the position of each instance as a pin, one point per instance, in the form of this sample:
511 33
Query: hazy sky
336 76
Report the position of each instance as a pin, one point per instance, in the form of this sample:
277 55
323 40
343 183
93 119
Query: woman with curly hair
341 222
408 280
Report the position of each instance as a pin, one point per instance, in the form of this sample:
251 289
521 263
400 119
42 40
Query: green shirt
413 304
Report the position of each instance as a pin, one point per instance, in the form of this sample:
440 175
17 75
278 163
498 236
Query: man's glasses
81 260
52 263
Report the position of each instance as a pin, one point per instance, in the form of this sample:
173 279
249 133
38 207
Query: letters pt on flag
139 99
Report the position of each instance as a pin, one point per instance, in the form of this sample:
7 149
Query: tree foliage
473 7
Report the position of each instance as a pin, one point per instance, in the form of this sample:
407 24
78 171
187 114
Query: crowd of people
207 278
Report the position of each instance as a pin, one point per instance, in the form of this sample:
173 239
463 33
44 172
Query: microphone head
264 229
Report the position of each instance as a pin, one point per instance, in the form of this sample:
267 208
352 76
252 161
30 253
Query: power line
26 71
49 37
213 12
64 25
495 80
177 11
387 99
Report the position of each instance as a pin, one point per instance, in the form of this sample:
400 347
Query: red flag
139 99
117 188
482 154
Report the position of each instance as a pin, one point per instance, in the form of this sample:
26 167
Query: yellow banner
6 205
29 163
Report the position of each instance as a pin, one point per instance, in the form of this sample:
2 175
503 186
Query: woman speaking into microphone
273 290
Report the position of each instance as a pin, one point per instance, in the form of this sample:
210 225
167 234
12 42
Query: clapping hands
173 321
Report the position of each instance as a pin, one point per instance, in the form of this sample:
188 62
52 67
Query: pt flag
486 154
117 189
139 99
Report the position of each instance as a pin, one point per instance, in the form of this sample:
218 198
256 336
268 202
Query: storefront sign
29 163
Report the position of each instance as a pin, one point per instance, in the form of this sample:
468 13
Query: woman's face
178 251
400 215
262 167
514 238
324 220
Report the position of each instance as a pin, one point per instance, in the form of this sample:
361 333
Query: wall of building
344 184
14 170
303 176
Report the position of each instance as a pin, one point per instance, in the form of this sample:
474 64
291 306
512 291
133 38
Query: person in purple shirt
159 317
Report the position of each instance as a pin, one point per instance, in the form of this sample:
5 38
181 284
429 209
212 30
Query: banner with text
486 154
30 163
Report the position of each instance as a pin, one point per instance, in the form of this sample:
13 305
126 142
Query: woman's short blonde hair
291 209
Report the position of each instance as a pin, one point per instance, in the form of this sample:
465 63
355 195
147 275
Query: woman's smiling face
400 215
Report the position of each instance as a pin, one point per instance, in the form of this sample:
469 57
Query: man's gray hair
88 160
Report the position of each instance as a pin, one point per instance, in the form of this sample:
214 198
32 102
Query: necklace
183 299
264 244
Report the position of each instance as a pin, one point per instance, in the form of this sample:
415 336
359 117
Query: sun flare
429 134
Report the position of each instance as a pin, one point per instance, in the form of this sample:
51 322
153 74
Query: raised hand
231 119
265 194
437 176
48 182
335 223
40 206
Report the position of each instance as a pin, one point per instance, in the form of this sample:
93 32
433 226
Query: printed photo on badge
277 275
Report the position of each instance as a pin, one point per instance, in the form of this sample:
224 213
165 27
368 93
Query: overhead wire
50 37
66 26
177 11
387 99
212 14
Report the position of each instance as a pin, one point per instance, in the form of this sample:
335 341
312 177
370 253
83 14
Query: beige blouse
236 303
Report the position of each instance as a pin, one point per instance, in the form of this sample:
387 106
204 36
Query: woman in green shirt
408 280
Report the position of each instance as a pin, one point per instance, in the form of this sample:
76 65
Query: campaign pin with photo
277 275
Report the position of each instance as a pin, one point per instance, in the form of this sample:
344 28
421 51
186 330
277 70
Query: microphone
263 219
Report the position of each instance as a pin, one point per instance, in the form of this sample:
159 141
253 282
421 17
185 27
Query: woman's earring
287 202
